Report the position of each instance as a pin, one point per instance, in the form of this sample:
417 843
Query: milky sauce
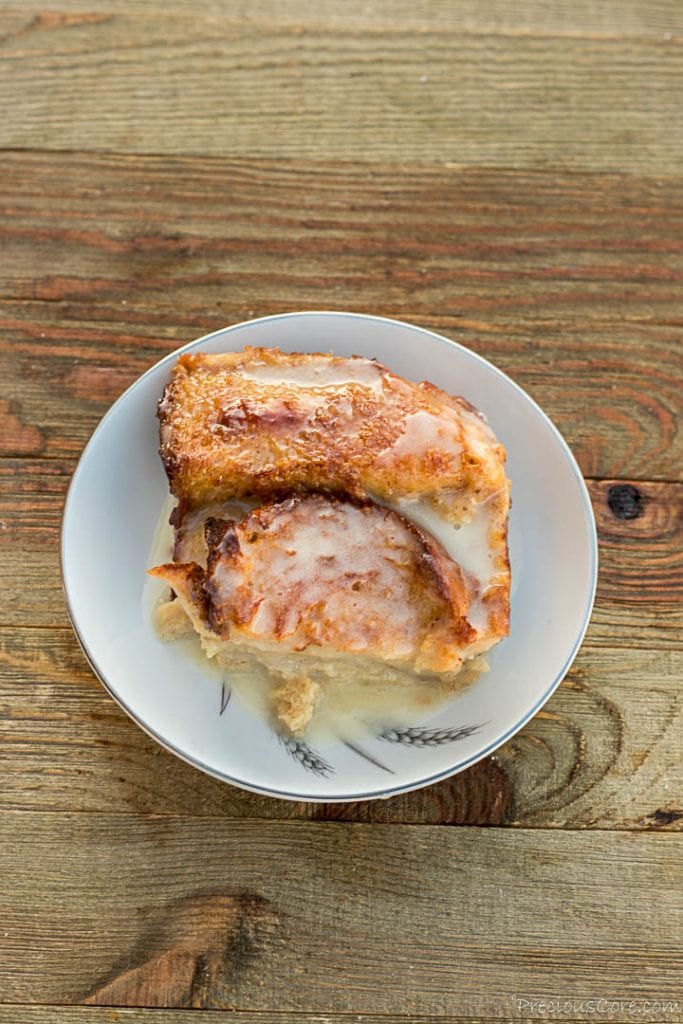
154 592
349 709
352 710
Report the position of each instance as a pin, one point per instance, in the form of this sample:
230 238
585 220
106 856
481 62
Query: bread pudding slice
314 587
262 423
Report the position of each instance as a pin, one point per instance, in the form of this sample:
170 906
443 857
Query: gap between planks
256 819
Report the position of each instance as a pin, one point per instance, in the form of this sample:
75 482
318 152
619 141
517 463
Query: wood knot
192 953
665 817
625 501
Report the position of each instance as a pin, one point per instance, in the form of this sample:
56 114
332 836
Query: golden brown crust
266 423
187 582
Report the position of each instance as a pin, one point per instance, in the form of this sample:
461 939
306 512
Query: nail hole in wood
625 501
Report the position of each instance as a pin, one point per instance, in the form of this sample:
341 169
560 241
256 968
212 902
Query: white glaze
423 432
318 373
468 544
316 552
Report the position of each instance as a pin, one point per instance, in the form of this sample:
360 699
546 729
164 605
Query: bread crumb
294 702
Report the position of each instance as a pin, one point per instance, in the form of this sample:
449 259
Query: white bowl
113 506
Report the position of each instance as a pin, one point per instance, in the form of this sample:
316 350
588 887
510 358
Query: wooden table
508 174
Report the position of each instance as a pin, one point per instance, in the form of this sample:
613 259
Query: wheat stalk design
427 737
307 757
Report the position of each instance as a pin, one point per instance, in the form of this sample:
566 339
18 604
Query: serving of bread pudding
334 522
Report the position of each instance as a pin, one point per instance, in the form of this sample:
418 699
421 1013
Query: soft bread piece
329 573
316 579
262 423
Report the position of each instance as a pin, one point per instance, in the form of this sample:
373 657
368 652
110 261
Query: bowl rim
382 792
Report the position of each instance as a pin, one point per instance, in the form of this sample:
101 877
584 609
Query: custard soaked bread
312 492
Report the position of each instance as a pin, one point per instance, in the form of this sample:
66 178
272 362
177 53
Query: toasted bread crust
264 423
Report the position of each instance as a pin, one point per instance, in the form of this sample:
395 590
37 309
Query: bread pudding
334 522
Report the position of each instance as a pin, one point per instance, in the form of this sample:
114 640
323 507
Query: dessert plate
112 510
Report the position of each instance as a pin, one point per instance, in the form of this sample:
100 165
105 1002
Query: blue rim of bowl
381 793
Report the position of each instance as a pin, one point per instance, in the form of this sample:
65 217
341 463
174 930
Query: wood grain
603 756
616 18
211 85
603 753
571 283
484 244
639 587
15 1014
52 1014
640 522
509 175
251 915
641 564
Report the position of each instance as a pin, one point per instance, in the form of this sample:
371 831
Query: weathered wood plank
604 752
31 498
617 18
253 88
536 271
639 586
257 915
571 282
15 1014
640 581
190 234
